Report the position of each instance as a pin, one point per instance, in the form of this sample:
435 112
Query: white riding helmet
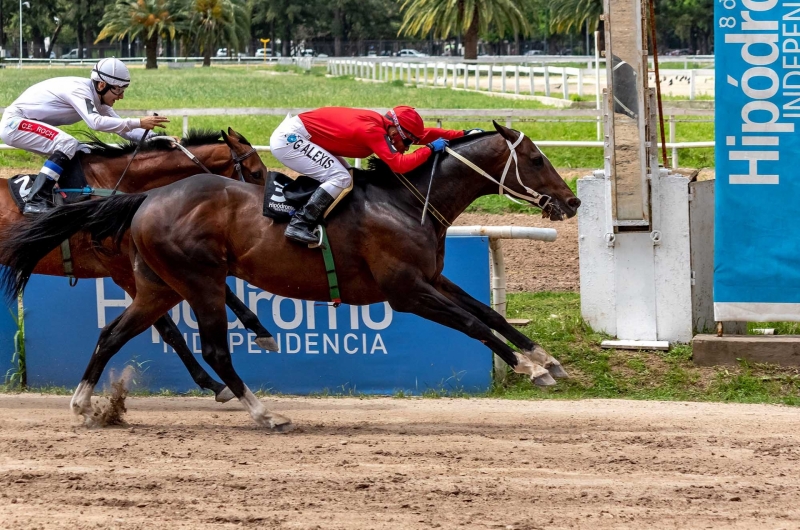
112 71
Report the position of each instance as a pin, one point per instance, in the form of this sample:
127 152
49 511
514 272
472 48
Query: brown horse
186 238
156 164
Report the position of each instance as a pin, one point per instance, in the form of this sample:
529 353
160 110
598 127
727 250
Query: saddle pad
283 196
73 178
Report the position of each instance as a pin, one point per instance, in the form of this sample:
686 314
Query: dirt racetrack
402 463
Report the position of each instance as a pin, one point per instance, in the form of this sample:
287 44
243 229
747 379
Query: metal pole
498 295
597 81
20 35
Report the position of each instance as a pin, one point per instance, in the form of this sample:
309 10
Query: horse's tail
23 245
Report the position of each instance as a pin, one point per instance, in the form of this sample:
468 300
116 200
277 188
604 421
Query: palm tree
573 14
149 18
213 22
447 17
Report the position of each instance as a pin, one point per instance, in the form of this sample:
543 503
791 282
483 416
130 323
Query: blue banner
365 349
756 252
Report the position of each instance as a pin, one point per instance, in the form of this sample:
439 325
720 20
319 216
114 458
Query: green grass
596 373
557 325
285 87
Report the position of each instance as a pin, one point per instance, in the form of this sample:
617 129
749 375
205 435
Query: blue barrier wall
756 248
368 349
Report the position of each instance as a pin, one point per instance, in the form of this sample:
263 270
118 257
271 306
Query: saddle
283 195
73 178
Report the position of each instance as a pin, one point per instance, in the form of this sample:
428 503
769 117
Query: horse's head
537 175
247 164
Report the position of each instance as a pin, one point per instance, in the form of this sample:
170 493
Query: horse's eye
537 161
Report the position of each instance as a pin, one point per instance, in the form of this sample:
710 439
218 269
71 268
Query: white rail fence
524 77
508 116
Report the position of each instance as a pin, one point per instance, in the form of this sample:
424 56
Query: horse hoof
544 380
557 371
281 424
224 395
268 343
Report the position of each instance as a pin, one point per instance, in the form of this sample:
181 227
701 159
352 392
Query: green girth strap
330 268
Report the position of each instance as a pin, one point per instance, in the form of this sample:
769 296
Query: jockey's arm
134 135
99 119
433 133
382 146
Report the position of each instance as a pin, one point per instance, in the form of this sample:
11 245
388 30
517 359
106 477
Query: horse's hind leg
250 320
497 322
421 298
146 308
171 334
212 322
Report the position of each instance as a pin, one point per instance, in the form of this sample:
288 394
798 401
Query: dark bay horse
186 238
156 164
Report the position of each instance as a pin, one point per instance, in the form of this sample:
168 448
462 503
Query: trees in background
344 27
149 19
470 17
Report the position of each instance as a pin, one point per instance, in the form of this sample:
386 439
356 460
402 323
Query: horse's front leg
250 320
419 297
497 322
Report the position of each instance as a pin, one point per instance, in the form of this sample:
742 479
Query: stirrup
318 233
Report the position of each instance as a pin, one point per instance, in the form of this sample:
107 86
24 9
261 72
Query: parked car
308 52
683 51
73 54
534 52
223 52
411 53
261 53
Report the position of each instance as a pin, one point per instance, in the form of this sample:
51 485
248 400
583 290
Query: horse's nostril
574 203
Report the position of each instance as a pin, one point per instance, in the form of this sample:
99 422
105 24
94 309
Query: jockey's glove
467 132
438 145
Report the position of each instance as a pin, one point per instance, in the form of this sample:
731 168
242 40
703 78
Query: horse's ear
505 132
225 137
238 136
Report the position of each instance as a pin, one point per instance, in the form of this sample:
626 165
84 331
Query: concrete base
710 350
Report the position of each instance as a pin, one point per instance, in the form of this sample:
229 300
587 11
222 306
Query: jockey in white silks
29 122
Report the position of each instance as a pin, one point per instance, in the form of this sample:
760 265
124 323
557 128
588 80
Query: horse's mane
378 171
194 138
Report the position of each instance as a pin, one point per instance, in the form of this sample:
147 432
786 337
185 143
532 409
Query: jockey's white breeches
35 136
292 146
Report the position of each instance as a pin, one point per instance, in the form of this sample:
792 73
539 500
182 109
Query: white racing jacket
68 100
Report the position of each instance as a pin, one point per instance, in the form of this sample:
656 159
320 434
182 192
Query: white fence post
435 73
691 83
466 76
508 121
503 82
580 81
477 76
185 125
564 83
455 75
416 77
530 71
546 80
444 75
672 141
408 72
491 76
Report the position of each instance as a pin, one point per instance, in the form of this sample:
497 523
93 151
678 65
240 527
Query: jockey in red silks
314 143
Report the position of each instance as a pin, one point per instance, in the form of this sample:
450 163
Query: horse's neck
153 169
455 185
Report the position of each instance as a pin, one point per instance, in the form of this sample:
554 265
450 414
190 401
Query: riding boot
301 228
40 198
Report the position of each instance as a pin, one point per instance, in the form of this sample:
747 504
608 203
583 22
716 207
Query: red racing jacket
359 133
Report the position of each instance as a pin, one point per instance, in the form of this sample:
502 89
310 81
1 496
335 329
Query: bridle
539 199
545 202
237 160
